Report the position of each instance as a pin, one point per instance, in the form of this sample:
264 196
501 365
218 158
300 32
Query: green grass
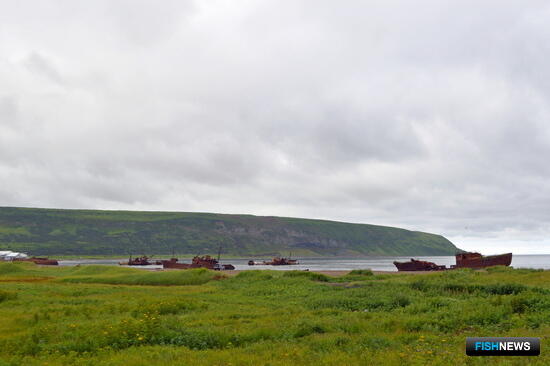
119 276
115 233
100 315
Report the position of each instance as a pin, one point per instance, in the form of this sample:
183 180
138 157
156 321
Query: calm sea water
341 264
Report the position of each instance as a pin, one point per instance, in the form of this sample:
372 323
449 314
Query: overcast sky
427 115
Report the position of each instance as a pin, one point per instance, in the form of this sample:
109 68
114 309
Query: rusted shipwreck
463 260
39 260
476 260
139 261
416 265
197 262
277 261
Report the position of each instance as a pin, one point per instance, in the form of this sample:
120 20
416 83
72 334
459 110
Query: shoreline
332 273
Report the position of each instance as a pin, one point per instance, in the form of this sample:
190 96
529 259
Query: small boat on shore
463 260
416 265
278 261
39 260
197 262
476 260
139 261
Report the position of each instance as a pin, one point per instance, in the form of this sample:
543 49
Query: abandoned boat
476 260
463 260
416 265
197 262
278 261
139 261
38 260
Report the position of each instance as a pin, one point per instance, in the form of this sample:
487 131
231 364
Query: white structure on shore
8 255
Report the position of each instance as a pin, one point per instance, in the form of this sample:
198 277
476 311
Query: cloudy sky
428 115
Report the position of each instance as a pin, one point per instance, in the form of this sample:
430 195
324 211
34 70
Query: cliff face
88 232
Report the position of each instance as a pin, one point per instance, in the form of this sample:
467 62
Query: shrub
254 275
306 274
6 268
504 289
400 301
361 272
496 269
7 295
306 328
529 302
374 342
420 285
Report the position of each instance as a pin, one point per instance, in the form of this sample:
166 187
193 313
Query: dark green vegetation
99 316
87 232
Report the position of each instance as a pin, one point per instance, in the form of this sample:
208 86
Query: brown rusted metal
175 264
38 260
197 262
463 260
416 265
476 260
139 261
161 262
204 262
278 261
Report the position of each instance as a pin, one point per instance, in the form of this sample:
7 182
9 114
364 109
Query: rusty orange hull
281 262
470 261
176 265
41 261
197 262
416 265
136 263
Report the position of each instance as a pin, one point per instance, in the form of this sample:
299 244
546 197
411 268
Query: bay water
538 261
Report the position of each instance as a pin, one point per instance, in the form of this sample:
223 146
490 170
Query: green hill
92 232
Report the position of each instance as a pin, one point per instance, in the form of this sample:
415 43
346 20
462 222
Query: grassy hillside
92 232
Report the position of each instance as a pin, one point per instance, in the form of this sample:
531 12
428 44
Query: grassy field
99 315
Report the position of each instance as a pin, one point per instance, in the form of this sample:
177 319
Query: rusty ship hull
476 260
416 265
280 262
38 260
175 265
463 260
197 262
140 261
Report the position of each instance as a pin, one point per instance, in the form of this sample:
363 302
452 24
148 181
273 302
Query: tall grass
101 315
121 276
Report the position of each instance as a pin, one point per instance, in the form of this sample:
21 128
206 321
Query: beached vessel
38 260
197 262
278 261
174 264
463 260
416 265
139 261
476 260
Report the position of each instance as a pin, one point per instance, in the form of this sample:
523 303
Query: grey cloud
431 115
41 66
